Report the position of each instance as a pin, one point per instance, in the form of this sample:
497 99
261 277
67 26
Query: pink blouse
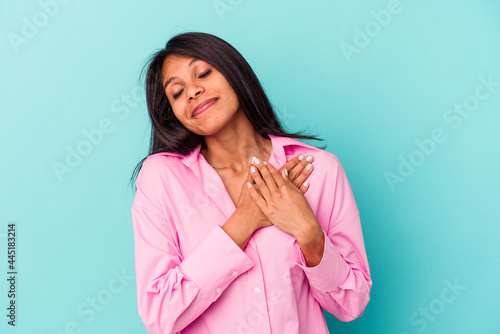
191 276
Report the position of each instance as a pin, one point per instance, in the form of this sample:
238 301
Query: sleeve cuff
330 272
215 263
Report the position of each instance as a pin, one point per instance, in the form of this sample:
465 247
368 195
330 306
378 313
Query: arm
173 290
340 281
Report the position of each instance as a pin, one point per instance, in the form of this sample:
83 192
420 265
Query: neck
233 151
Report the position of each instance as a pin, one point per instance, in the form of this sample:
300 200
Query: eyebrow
172 78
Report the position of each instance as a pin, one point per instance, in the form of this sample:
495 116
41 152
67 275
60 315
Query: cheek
231 95
177 107
177 112
235 101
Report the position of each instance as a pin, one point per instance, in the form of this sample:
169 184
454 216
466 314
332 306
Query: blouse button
235 273
257 290
219 290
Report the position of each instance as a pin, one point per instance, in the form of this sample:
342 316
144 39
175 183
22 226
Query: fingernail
306 183
252 169
286 172
249 185
309 166
301 157
255 160
265 163
309 158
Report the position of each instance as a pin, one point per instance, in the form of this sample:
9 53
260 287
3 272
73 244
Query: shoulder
159 174
156 173
155 165
328 171
322 158
167 159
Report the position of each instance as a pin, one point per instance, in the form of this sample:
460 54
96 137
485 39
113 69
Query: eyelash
201 76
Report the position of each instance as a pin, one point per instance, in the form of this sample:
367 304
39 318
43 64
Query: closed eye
176 95
205 74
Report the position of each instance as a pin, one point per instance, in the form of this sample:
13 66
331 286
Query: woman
229 235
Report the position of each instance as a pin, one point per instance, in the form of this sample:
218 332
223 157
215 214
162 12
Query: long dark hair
168 134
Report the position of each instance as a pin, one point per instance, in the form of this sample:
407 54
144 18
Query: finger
250 180
304 187
261 202
298 168
290 165
295 166
304 174
280 178
267 177
260 184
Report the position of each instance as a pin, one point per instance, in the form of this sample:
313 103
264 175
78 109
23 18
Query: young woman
229 235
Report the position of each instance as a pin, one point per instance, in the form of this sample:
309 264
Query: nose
194 91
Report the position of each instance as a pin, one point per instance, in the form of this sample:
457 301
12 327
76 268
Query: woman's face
194 86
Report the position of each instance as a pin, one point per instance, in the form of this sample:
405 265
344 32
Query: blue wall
406 94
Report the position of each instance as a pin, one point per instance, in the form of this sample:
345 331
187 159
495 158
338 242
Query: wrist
310 235
247 224
312 248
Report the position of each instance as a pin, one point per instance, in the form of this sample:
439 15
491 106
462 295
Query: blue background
77 70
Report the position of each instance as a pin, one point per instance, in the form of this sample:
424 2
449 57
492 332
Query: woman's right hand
297 173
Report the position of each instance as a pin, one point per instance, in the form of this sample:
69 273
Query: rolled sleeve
217 255
341 282
330 272
172 291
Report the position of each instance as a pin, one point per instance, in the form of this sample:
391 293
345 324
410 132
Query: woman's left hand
283 203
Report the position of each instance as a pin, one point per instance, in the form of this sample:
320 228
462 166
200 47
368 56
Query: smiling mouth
204 106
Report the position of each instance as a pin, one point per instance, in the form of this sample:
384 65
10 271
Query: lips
204 105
